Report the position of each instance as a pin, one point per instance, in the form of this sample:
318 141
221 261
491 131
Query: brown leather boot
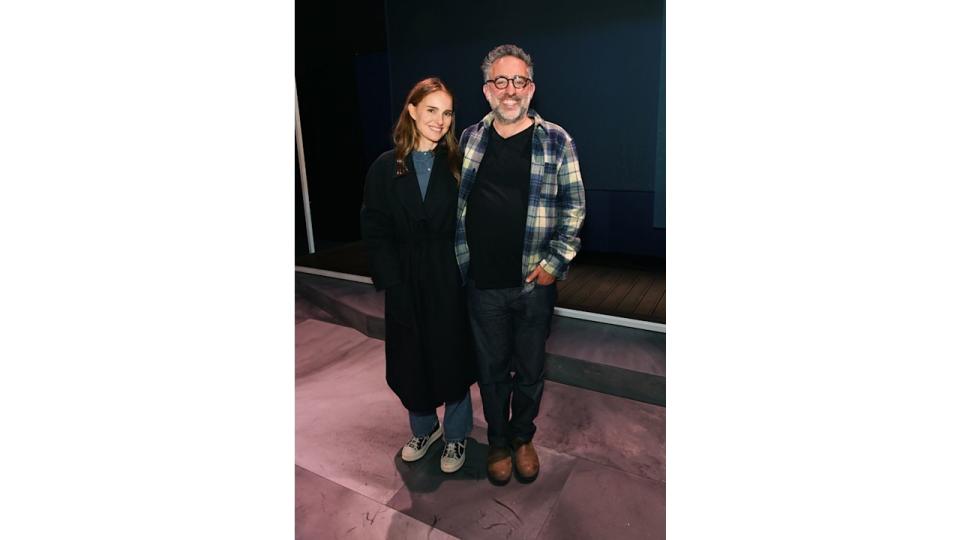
527 462
499 465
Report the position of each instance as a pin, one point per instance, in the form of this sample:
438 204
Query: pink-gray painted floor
602 458
614 360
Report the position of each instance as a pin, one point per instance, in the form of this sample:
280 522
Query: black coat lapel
441 183
408 190
439 188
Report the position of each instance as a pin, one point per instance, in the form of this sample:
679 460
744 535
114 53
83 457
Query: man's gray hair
506 50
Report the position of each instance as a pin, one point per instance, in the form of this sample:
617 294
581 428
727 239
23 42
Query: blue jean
457 420
510 330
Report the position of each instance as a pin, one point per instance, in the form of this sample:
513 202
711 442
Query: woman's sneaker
454 454
417 447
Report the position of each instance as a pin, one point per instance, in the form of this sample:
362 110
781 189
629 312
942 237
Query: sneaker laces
417 442
453 450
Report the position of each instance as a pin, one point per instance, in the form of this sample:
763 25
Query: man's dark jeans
510 329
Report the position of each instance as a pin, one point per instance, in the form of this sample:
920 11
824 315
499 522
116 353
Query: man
520 208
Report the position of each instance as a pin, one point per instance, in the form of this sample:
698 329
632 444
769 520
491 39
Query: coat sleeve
376 226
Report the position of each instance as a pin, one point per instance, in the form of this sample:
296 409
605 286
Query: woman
408 222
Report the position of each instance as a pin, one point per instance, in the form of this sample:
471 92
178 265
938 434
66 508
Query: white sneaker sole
452 467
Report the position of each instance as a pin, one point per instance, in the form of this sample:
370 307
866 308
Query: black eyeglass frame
512 80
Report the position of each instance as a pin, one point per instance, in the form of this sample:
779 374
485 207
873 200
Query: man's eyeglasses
519 82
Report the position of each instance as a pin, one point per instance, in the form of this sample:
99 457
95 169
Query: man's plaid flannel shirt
556 206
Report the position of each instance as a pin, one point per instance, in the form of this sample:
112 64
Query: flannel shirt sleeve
571 210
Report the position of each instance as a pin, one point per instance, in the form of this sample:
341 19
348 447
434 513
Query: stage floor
602 458
620 286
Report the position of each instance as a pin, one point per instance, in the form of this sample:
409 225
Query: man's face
509 105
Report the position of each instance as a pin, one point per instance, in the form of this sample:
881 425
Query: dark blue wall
598 68
599 72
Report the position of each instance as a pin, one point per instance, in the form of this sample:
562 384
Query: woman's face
432 118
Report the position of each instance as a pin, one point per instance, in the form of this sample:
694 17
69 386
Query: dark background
599 69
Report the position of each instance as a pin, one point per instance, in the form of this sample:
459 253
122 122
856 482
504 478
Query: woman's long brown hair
405 132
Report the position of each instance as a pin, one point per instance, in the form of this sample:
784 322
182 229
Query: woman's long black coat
410 248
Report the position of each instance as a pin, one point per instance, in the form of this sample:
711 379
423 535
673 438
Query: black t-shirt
497 211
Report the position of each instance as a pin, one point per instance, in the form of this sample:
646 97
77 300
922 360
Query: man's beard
523 106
